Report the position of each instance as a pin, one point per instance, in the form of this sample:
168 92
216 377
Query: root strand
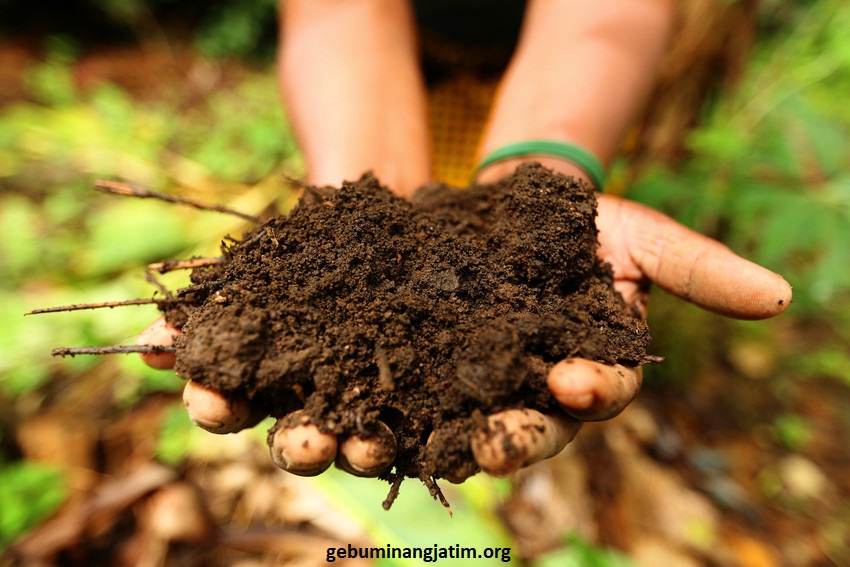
119 188
101 305
437 494
190 264
393 493
114 349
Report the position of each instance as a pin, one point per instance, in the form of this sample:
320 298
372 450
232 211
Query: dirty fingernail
302 449
210 410
370 454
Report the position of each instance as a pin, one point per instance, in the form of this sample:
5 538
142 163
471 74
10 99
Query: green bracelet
586 161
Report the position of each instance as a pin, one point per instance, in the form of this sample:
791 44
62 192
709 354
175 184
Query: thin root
393 493
150 278
119 188
81 306
171 265
436 492
114 349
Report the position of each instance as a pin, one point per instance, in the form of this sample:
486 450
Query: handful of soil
428 314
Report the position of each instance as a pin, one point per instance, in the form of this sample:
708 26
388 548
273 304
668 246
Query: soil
427 314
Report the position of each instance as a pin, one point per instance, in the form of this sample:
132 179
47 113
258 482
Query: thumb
699 269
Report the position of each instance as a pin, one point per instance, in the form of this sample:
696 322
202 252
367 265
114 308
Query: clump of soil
427 314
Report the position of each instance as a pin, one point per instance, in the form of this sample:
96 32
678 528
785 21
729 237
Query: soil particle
426 314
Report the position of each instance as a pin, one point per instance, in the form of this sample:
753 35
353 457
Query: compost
427 314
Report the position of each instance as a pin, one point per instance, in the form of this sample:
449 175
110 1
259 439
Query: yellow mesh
457 110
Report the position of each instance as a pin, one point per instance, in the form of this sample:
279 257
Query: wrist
499 170
567 159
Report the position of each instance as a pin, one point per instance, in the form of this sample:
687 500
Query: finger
592 391
368 455
298 446
158 333
210 410
447 454
519 437
635 294
690 265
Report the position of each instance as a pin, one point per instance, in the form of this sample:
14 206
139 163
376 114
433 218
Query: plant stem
119 188
114 349
171 265
81 306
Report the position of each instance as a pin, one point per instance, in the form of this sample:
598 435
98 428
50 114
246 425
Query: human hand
295 444
643 246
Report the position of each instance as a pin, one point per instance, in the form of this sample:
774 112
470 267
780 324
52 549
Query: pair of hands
642 245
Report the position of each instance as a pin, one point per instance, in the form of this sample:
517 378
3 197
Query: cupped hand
295 444
643 246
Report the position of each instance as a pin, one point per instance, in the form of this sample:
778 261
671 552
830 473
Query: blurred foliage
218 28
581 553
769 174
29 492
239 27
793 431
769 169
418 520
62 243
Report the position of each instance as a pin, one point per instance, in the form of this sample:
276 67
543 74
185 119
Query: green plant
769 172
578 552
242 28
29 492
792 431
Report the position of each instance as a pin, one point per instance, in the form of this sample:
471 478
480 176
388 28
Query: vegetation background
746 422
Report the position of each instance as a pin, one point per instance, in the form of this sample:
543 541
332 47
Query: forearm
350 78
581 72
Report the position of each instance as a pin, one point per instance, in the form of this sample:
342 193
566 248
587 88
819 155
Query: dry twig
113 349
119 188
190 264
101 305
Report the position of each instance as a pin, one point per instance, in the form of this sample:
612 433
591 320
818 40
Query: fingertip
747 291
593 391
370 454
158 333
779 300
516 438
697 268
301 449
212 411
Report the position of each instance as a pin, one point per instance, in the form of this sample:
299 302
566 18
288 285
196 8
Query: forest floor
741 462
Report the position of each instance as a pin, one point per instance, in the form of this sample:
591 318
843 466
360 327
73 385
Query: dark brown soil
361 306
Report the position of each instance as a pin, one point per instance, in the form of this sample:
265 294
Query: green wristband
586 161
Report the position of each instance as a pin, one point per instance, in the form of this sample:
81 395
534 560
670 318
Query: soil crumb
426 314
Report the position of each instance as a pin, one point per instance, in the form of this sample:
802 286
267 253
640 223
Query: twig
119 188
150 278
190 264
81 306
437 494
393 493
114 349
204 286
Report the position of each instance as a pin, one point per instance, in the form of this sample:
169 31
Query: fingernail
571 390
578 401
